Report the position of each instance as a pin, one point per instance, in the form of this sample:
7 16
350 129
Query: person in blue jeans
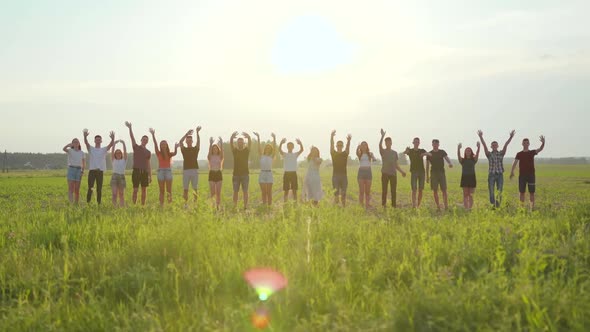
496 167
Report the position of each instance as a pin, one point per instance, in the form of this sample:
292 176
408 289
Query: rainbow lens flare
260 318
265 281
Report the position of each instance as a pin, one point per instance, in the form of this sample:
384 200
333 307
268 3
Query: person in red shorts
526 177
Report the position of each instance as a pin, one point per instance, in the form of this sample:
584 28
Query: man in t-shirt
241 175
190 165
496 167
97 164
142 169
339 162
437 176
416 156
290 167
526 177
390 163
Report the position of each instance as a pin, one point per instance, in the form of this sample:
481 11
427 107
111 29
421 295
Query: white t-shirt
97 158
75 157
265 163
290 161
119 166
365 161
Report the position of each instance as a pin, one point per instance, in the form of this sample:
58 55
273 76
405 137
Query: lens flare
265 281
260 318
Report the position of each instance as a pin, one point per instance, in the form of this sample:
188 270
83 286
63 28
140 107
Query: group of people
433 173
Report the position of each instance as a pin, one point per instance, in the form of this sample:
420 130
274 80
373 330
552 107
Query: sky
432 69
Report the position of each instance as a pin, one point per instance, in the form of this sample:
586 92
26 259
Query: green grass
149 269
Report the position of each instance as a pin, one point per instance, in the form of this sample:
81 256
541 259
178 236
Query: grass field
90 268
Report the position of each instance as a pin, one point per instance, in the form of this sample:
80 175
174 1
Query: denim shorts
74 173
118 181
265 177
165 174
365 174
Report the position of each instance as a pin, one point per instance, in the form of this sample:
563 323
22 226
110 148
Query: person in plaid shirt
496 171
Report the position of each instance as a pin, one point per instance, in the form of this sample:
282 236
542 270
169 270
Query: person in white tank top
365 176
265 179
118 184
215 158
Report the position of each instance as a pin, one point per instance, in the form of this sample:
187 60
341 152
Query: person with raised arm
312 184
496 167
265 179
339 163
215 159
118 183
418 175
437 176
525 159
290 167
190 165
390 167
164 166
97 164
468 179
241 174
142 169
76 165
365 175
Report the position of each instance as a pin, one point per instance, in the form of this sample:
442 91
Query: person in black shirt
241 173
339 162
416 156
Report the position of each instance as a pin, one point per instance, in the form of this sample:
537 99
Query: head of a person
416 142
526 143
97 139
313 153
290 147
364 147
435 144
164 148
215 150
268 150
76 144
339 146
240 143
468 153
189 140
144 140
118 154
494 146
388 142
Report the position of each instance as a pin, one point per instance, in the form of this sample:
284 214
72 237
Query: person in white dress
312 184
118 183
76 165
265 179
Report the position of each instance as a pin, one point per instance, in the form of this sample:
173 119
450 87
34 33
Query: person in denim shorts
265 179
164 166
76 165
118 183
365 175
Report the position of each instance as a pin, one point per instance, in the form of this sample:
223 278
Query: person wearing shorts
190 164
438 178
496 168
215 159
389 169
97 164
290 168
339 163
118 183
364 176
76 165
164 166
241 177
468 179
418 175
142 170
526 161
265 179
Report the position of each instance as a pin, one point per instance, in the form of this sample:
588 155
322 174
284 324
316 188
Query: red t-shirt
526 162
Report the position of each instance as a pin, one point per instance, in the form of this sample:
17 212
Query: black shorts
140 176
290 181
524 181
215 176
468 181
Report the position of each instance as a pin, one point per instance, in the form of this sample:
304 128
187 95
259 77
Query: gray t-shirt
389 159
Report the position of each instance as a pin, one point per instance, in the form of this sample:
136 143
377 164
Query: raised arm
210 146
85 133
332 141
249 140
485 146
112 143
274 144
259 145
198 145
113 151
183 138
156 148
348 138
281 146
477 152
381 148
542 139
66 148
507 142
124 149
221 150
128 125
176 145
459 146
232 138
300 147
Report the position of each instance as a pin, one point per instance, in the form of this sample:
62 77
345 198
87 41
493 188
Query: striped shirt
496 159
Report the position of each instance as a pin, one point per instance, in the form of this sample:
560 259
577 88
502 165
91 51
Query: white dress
312 188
